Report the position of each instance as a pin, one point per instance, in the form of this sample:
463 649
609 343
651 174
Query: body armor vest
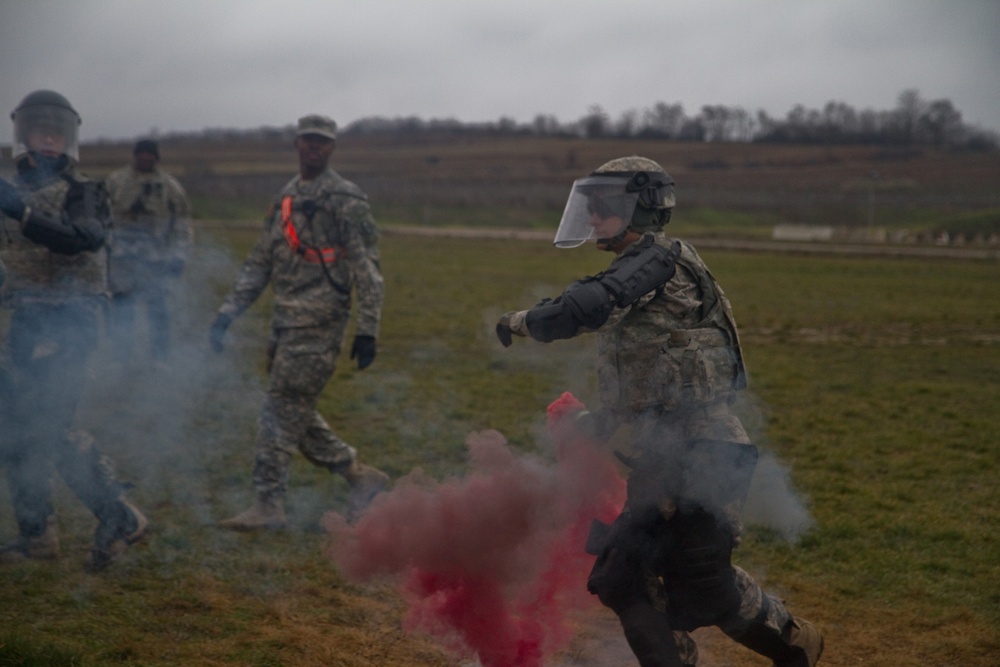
677 346
37 274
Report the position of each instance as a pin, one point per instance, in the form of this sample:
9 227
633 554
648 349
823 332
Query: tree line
914 121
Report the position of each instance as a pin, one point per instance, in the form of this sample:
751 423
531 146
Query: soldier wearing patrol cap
669 366
151 242
318 250
52 242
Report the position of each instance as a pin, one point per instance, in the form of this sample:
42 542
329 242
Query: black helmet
46 111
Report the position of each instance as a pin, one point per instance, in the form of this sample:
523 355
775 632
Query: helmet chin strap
616 239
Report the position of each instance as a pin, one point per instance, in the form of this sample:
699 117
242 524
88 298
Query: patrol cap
324 126
147 146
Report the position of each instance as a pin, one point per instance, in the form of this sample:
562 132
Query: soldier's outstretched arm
588 303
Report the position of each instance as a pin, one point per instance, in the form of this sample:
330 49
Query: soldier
149 246
319 240
669 366
52 236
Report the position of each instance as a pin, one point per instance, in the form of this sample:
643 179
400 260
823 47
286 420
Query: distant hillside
427 179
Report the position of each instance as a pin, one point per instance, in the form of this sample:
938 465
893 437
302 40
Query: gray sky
132 65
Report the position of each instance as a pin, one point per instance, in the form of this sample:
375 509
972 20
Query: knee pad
697 570
612 577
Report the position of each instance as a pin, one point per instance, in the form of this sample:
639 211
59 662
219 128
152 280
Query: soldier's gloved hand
363 350
503 329
10 201
175 267
218 333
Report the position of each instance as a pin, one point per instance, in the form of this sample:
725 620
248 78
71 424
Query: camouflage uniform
56 300
150 243
312 253
669 365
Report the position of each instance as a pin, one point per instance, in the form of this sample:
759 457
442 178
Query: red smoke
491 561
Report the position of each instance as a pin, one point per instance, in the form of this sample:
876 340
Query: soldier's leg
621 583
301 366
29 478
322 447
88 472
35 417
91 476
764 625
121 324
158 316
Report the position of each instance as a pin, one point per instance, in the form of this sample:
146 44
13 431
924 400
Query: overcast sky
129 66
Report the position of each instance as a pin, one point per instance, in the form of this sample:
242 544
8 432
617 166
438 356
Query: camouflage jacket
36 274
151 216
677 345
319 240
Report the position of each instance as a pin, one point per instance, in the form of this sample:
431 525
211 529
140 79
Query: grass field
874 381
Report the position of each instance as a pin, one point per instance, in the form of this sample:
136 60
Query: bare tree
909 108
627 123
664 120
941 122
595 123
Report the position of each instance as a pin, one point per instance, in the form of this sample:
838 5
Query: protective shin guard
649 635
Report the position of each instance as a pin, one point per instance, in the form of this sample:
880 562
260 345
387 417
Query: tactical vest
146 209
653 357
36 274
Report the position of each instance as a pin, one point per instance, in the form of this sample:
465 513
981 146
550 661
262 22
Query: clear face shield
49 130
599 207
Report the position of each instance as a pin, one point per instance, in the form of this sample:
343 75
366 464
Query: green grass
875 381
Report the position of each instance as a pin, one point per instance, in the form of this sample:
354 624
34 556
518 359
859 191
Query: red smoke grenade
492 561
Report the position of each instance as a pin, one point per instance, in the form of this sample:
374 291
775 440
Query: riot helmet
625 193
46 123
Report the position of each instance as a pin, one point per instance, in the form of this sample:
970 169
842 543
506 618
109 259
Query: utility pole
871 198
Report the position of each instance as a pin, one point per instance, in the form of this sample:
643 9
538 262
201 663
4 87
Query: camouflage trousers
304 361
48 350
140 283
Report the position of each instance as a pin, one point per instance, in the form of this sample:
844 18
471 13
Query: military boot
265 514
800 643
805 636
40 547
366 482
115 533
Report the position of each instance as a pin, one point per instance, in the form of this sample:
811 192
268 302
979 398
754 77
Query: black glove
218 332
503 329
364 350
175 268
10 201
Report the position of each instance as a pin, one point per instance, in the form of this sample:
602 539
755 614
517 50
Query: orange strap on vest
309 253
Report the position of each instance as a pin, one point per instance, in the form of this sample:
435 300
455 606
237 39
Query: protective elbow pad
585 303
589 301
78 236
551 320
641 270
